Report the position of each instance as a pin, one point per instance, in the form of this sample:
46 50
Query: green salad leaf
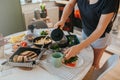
55 47
44 33
72 59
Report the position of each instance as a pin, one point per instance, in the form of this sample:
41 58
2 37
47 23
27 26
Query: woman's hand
71 52
59 24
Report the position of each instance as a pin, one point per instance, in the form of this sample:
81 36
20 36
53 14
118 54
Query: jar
37 14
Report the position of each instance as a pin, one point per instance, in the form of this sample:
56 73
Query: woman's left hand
71 52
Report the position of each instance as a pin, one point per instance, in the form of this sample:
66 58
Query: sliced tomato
23 44
71 64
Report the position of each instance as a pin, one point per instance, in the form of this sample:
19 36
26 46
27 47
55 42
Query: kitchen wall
11 19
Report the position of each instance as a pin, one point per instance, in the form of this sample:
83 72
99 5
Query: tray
24 64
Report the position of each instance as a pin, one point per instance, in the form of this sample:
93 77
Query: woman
97 19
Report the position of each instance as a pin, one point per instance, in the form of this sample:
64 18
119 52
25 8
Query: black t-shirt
90 13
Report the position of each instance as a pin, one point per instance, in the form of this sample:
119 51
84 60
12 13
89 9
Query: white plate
79 63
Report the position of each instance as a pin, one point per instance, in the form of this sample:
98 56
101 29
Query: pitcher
58 35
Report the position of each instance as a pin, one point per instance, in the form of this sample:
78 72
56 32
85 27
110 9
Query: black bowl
71 41
40 45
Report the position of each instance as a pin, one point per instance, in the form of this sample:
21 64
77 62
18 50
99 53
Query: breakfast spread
27 56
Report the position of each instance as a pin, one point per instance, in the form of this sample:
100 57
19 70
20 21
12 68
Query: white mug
57 59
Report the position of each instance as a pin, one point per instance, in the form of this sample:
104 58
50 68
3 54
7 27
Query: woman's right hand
59 24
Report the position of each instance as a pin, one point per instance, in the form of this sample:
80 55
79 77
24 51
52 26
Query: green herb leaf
72 59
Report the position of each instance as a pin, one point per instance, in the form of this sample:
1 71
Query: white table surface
39 73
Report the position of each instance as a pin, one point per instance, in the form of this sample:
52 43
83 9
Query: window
33 1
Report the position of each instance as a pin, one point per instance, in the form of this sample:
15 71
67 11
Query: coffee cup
56 59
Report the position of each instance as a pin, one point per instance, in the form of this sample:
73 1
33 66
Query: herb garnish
72 59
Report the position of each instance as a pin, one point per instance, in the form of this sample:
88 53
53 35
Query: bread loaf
20 59
15 58
25 58
33 56
25 53
30 54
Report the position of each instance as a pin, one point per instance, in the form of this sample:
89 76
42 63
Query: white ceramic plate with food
75 64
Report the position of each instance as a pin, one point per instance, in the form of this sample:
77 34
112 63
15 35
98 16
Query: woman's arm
66 12
102 25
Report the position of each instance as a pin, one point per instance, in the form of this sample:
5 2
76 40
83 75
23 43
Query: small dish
72 40
30 37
